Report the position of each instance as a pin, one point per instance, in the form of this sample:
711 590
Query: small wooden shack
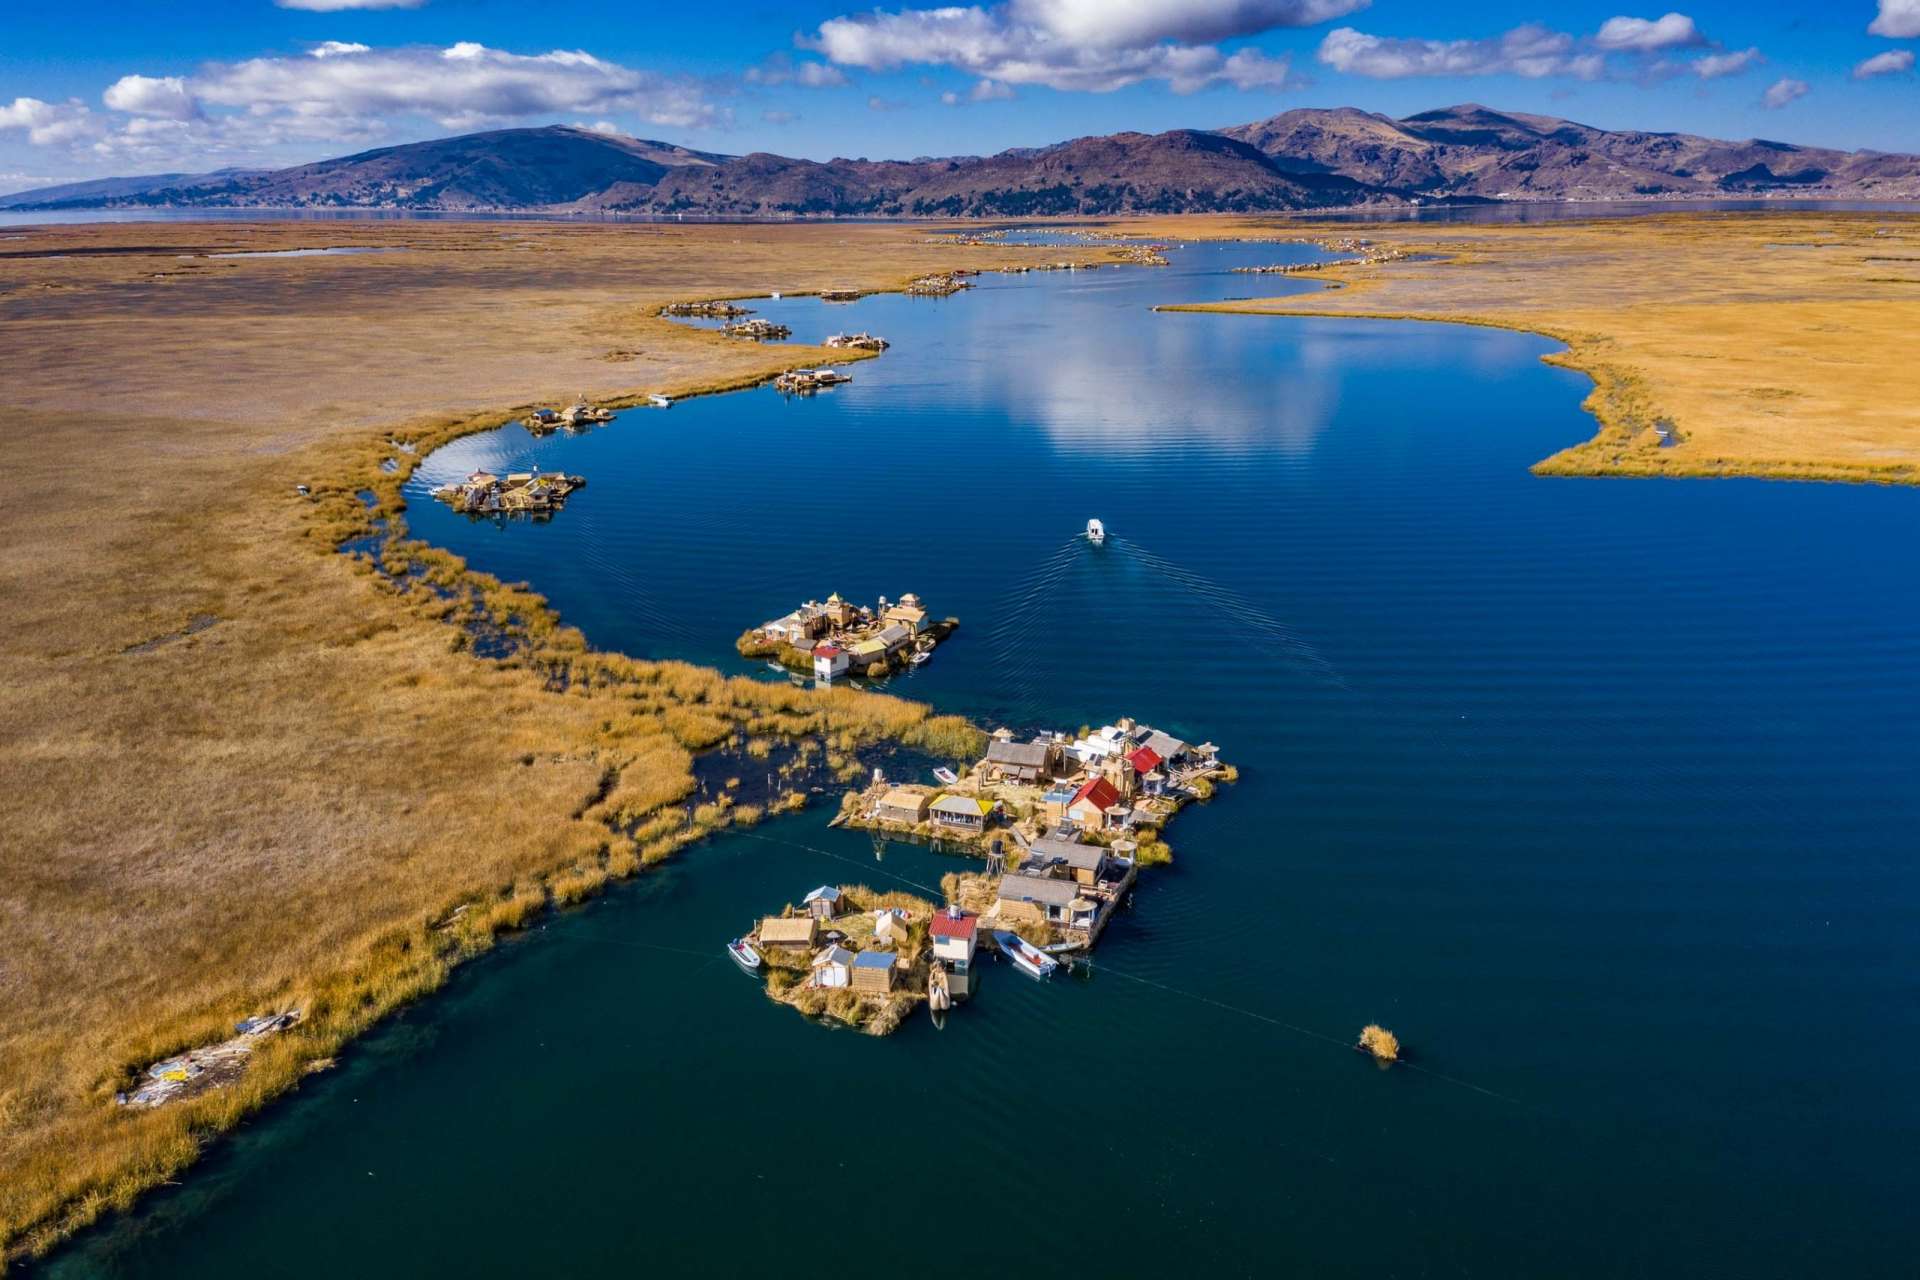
823 903
873 973
903 806
788 931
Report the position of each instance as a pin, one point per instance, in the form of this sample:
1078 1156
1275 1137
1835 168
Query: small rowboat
1026 957
743 954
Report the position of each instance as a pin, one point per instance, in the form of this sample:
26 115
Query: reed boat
1026 957
743 954
939 995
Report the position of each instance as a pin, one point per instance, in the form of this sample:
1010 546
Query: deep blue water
1600 793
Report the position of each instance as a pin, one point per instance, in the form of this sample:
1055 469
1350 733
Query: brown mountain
1300 159
1472 151
1182 171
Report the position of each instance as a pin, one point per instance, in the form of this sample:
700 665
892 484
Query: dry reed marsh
324 800
292 806
1776 344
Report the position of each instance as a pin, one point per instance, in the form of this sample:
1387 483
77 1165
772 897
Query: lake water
1600 793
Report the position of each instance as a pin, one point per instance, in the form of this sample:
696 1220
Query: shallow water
1598 792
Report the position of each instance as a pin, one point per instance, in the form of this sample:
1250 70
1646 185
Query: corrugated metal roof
873 960
1019 888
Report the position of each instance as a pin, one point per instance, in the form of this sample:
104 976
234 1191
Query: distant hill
1297 160
87 195
1473 151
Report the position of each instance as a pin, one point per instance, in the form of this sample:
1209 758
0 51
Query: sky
93 88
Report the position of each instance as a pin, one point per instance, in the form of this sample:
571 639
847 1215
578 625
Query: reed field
241 771
1770 344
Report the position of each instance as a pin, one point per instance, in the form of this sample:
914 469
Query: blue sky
90 88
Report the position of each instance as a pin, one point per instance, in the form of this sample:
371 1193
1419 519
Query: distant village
835 638
1059 826
518 493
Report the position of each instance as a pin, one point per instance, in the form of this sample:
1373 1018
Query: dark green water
1599 793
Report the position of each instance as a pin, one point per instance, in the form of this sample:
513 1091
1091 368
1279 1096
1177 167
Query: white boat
659 402
743 954
946 775
1026 957
919 657
1096 532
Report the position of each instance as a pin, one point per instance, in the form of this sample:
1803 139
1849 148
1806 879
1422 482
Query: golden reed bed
283 808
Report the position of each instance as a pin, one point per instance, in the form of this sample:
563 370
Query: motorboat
659 402
946 775
743 954
1096 532
1026 957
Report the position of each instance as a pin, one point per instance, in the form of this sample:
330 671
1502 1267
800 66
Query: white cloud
1131 24
337 6
606 127
336 49
782 69
1531 51
990 91
1899 19
1782 91
778 117
1892 62
152 96
1648 35
1081 45
1715 65
48 124
465 85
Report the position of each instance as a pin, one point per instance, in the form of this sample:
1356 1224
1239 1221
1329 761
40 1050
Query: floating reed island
1145 255
837 638
1365 254
939 284
761 330
861 341
849 954
705 310
841 295
519 493
578 414
1063 824
807 381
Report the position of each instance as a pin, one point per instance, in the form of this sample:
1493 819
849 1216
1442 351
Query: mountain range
1303 159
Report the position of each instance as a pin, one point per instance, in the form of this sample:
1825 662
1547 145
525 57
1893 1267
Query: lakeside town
1055 831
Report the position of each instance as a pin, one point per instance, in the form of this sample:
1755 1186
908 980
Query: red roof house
1144 761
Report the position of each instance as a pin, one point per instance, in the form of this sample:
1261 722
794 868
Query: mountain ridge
1306 158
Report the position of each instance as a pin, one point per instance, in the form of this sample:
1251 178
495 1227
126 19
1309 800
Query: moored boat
743 954
946 775
659 402
1026 957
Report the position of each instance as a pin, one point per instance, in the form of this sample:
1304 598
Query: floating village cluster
1366 254
837 638
1060 827
521 492
578 414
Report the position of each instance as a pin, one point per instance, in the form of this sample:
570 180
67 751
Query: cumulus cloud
1531 51
152 96
982 91
1783 91
462 86
336 49
781 69
1093 46
1648 35
1892 62
1898 19
48 124
339 6
1132 23
1715 65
